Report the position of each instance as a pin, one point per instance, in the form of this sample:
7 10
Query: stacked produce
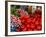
27 21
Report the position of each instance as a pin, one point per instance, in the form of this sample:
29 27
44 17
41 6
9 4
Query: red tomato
39 27
24 29
32 26
28 25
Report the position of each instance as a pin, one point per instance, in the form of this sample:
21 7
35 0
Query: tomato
28 25
39 27
32 26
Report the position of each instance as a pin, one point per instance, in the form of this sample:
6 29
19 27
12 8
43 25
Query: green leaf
13 10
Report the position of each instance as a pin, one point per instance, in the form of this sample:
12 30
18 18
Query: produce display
26 18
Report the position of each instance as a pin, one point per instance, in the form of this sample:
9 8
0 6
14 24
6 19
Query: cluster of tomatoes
31 22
